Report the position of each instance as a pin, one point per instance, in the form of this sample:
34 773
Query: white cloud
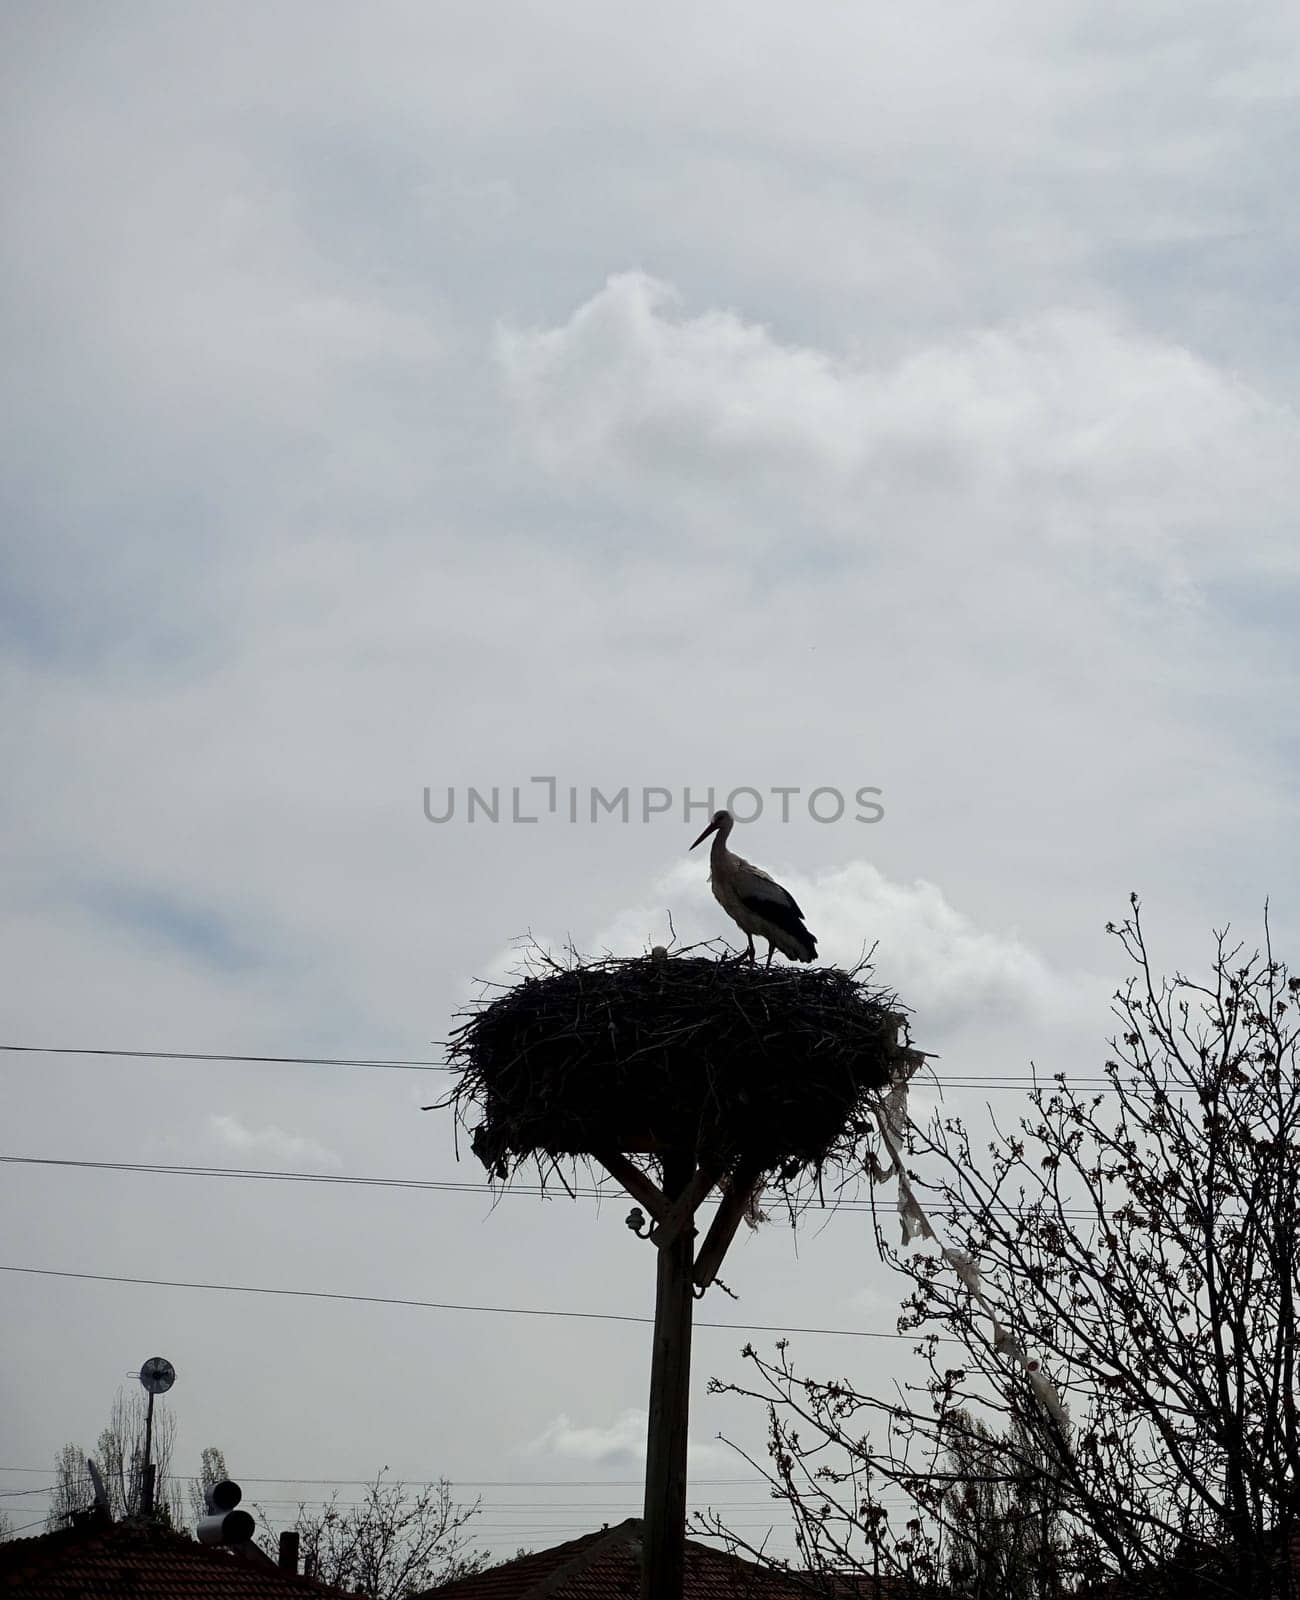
949 971
1061 430
624 379
946 968
873 1304
620 1444
268 1143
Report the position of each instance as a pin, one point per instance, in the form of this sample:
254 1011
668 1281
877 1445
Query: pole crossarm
641 1187
726 1220
672 1216
681 1214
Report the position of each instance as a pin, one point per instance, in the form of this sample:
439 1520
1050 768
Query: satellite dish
157 1375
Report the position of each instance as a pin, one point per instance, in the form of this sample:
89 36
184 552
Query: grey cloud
963 461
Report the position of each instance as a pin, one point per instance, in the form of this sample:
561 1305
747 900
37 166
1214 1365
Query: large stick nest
761 1070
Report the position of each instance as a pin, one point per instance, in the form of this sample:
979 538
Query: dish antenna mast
156 1377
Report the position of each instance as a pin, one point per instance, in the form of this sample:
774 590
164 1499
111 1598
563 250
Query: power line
460 1483
501 1529
457 1483
205 1055
443 1305
626 1503
1002 1080
430 1185
280 1176
629 1506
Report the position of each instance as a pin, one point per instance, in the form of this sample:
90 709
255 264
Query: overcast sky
434 395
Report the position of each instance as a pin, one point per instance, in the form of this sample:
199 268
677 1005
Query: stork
755 902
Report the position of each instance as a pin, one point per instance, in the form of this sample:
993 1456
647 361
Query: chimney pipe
289 1550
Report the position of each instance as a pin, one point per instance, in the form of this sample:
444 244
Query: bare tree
392 1544
212 1470
1122 1320
1003 1534
119 1458
72 1487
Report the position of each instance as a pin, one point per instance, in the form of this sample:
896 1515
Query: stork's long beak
705 834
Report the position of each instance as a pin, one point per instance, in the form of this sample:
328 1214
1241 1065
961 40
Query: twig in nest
770 1070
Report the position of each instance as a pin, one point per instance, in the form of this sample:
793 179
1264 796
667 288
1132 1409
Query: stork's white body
755 902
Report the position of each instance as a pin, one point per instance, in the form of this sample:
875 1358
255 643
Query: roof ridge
622 1533
137 1541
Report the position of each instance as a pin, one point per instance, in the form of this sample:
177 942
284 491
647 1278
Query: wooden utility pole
664 1526
681 1272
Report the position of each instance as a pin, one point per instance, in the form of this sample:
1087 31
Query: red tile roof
142 1561
607 1566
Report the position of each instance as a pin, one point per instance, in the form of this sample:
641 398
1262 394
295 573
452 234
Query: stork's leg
749 954
768 962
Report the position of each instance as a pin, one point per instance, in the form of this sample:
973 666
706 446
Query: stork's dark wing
783 914
766 897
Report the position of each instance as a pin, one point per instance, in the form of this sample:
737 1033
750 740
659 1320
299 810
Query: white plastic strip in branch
892 1119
